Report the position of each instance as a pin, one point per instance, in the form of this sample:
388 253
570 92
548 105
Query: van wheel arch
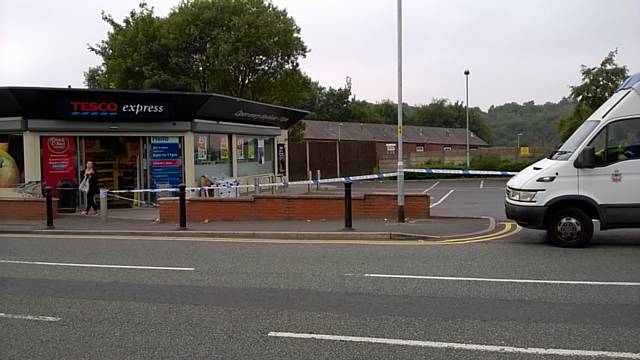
587 205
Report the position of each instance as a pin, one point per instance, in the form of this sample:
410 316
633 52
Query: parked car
594 175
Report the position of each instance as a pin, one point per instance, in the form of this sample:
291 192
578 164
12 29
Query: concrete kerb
409 236
283 235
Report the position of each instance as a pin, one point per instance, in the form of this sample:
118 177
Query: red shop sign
58 160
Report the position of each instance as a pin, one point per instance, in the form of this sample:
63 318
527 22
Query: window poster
166 161
240 148
58 160
251 150
224 148
202 147
260 151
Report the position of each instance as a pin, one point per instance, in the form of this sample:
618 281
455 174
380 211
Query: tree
442 113
332 104
243 48
537 122
598 84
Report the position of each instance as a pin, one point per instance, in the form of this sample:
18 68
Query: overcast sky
516 50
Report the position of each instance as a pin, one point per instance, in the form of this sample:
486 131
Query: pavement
433 228
139 221
116 296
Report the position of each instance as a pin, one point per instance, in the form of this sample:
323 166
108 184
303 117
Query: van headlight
521 195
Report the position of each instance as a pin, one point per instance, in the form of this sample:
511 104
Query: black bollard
47 192
183 206
348 222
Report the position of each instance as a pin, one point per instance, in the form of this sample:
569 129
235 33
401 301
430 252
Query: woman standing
92 180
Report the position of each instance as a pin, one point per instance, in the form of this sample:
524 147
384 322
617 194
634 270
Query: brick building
350 148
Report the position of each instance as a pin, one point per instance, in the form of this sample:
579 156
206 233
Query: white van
594 175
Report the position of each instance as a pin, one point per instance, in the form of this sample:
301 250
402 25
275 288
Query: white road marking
461 346
97 265
526 281
431 187
442 199
30 317
481 184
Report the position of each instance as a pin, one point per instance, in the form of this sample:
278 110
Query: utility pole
400 147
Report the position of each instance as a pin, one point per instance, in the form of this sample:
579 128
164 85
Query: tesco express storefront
138 139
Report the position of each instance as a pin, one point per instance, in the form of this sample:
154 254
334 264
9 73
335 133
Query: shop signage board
116 109
282 159
166 161
58 160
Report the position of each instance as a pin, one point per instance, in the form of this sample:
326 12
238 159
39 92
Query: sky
516 51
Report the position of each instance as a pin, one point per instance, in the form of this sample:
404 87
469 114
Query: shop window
255 155
212 156
11 160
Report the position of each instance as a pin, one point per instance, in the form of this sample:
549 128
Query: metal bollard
104 207
182 195
318 177
273 186
256 186
47 192
348 219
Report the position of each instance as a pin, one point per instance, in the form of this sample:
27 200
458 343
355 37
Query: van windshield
572 143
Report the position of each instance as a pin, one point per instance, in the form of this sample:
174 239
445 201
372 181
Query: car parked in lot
594 175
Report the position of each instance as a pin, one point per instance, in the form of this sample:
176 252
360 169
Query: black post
183 206
48 196
348 223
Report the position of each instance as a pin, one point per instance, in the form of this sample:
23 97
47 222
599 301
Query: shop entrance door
117 161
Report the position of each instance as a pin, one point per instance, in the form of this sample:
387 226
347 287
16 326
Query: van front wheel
569 227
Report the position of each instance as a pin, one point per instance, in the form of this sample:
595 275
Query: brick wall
25 209
283 207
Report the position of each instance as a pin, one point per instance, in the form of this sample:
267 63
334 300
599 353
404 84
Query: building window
419 148
446 148
255 155
391 149
212 156
11 160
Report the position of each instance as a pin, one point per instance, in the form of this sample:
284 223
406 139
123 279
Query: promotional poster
58 160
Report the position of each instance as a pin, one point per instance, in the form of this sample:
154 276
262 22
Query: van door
615 181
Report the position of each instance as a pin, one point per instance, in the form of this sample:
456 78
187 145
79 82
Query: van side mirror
586 159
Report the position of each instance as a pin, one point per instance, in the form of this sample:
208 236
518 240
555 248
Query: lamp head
467 72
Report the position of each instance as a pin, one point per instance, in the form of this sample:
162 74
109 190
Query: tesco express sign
112 108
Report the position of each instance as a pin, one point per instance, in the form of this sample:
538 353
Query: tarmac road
513 298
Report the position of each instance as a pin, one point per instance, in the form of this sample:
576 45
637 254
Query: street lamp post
338 151
400 155
466 74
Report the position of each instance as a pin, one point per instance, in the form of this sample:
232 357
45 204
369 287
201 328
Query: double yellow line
506 229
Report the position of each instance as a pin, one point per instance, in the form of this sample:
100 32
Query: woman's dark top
93 183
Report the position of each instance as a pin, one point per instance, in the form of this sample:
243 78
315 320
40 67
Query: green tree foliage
244 48
443 113
598 84
535 122
333 104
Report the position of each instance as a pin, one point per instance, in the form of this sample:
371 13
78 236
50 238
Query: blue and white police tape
286 184
461 172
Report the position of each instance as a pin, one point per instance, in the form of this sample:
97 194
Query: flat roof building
138 139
